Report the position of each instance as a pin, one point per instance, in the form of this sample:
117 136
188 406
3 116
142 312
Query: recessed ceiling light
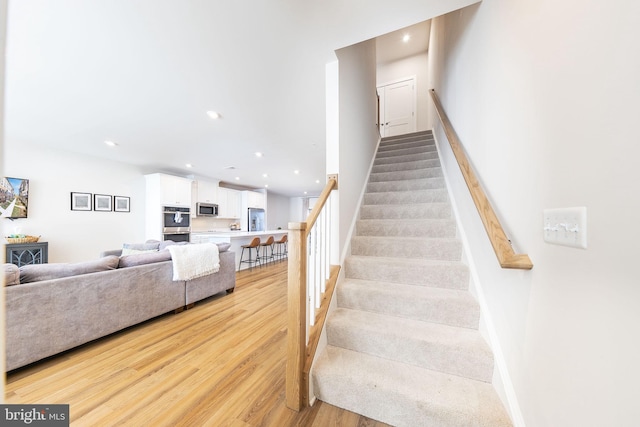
305 192
189 165
266 186
237 178
264 175
317 181
296 172
213 114
258 154
110 143
406 38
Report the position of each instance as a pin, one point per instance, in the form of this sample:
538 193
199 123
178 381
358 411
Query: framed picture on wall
121 204
102 202
80 201
14 197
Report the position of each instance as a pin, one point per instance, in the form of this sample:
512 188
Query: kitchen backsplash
207 224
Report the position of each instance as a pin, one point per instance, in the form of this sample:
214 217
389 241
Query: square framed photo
121 204
102 202
80 201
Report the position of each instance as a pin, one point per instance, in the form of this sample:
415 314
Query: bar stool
263 249
255 244
281 247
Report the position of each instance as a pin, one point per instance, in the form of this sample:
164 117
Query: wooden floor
221 363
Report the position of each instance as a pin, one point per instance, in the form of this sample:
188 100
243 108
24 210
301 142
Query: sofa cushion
11 275
39 272
144 258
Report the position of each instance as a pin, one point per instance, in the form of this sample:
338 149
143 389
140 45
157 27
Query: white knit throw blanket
192 261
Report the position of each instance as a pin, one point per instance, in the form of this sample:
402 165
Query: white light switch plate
566 226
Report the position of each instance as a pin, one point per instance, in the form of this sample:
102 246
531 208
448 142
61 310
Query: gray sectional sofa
62 306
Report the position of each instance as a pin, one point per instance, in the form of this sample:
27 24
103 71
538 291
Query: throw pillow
11 275
127 251
144 258
136 248
39 272
166 243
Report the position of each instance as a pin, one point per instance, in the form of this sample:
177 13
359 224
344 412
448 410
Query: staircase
403 344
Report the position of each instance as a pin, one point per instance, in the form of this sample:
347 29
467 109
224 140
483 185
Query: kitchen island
236 239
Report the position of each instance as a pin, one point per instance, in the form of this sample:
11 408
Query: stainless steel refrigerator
256 219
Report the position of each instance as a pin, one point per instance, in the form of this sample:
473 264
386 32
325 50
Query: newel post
297 306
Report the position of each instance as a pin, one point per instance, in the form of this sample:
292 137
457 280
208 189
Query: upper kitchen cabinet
256 200
206 191
168 190
229 202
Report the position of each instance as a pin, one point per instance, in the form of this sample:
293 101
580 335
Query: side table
27 253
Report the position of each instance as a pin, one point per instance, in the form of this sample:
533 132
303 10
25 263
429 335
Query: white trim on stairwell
346 251
505 387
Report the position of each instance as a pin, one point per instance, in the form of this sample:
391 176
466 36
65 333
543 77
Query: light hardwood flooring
221 363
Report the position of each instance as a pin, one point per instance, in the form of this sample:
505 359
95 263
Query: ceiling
144 73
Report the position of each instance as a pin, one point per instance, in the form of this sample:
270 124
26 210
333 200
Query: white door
397 108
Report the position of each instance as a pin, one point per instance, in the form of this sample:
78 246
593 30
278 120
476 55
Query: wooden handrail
332 184
501 245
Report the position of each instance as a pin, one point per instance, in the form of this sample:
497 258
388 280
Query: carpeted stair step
410 174
414 211
406 151
408 271
443 348
404 395
445 306
421 136
427 155
406 185
442 249
401 145
404 166
404 197
406 227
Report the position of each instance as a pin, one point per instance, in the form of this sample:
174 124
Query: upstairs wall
358 132
543 96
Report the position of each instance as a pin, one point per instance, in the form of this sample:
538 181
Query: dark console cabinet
27 253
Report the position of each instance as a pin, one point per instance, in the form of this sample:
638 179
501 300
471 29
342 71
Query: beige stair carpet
403 344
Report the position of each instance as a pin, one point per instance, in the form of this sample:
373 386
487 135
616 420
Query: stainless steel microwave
206 209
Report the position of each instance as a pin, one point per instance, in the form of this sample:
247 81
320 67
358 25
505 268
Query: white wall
543 97
75 235
3 28
358 130
278 211
415 65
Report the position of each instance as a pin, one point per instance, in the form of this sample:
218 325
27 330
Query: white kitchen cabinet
169 190
163 190
256 200
207 191
228 203
174 190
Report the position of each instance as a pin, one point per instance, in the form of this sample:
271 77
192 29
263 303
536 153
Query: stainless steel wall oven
176 224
